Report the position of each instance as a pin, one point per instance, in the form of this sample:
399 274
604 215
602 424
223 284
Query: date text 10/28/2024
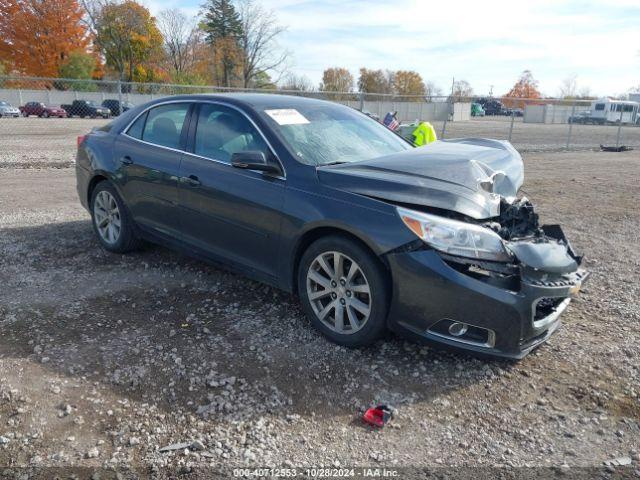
363 472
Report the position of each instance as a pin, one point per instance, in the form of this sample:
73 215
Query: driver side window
223 131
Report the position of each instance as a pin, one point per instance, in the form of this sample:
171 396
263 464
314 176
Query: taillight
81 139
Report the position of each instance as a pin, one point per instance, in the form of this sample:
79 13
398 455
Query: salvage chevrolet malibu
320 200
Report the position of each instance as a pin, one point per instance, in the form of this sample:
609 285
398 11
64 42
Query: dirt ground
105 359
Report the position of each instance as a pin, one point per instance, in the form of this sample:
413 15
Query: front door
229 212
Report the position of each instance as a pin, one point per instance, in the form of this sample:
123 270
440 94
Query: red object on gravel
378 416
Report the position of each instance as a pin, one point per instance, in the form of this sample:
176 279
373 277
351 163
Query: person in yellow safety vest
424 134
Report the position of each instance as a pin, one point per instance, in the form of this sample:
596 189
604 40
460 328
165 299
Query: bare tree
461 91
569 87
258 42
585 93
299 83
181 38
432 90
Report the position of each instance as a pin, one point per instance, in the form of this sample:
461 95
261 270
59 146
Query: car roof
248 101
253 100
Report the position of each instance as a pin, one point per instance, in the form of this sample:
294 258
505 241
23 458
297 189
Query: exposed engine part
517 220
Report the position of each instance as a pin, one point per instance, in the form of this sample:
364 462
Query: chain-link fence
530 124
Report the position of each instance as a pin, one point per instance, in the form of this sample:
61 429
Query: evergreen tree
223 30
221 20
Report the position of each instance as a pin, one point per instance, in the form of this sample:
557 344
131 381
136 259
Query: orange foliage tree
525 87
130 41
38 36
409 83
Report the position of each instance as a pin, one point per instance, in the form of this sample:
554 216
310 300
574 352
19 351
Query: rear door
229 212
149 153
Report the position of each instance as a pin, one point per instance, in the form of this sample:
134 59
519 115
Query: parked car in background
8 110
114 106
477 110
40 109
517 112
86 108
318 199
582 118
493 107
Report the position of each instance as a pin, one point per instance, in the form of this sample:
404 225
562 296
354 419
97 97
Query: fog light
458 329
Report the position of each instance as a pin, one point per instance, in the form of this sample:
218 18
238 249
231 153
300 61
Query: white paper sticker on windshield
287 116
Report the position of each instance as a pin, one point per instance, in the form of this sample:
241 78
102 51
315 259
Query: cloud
487 43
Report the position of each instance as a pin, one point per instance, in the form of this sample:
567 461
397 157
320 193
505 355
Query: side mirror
254 160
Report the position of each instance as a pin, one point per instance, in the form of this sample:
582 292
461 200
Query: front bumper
505 320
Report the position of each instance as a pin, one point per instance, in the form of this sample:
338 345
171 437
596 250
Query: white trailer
607 110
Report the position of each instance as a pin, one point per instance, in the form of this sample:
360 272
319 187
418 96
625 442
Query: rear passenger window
135 130
164 124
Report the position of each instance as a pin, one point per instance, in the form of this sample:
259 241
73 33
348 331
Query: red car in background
42 110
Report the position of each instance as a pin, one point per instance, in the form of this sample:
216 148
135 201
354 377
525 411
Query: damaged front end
484 274
500 283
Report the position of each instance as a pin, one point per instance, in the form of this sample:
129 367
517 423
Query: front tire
343 291
111 220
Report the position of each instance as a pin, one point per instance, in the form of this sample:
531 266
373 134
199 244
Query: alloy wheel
339 292
106 215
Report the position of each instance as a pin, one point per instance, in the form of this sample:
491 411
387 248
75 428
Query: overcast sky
488 42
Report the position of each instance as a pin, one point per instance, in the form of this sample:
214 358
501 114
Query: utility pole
491 90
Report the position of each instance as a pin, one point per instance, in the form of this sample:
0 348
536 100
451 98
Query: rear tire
111 220
347 303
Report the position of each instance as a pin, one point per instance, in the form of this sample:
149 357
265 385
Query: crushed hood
468 176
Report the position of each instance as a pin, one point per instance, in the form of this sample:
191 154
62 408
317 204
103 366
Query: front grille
545 307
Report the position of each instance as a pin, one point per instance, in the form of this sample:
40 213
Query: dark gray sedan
320 200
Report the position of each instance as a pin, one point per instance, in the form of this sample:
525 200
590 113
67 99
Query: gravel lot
105 359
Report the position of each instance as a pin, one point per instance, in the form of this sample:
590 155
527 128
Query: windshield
322 134
4 104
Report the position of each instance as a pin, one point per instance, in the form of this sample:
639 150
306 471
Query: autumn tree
79 65
336 79
258 42
410 84
130 41
525 87
375 81
38 36
223 29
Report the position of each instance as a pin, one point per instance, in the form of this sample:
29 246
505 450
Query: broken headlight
454 237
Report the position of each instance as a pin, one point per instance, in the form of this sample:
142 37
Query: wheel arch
100 176
316 233
95 180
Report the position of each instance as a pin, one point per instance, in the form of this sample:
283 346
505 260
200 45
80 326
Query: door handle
126 160
192 180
